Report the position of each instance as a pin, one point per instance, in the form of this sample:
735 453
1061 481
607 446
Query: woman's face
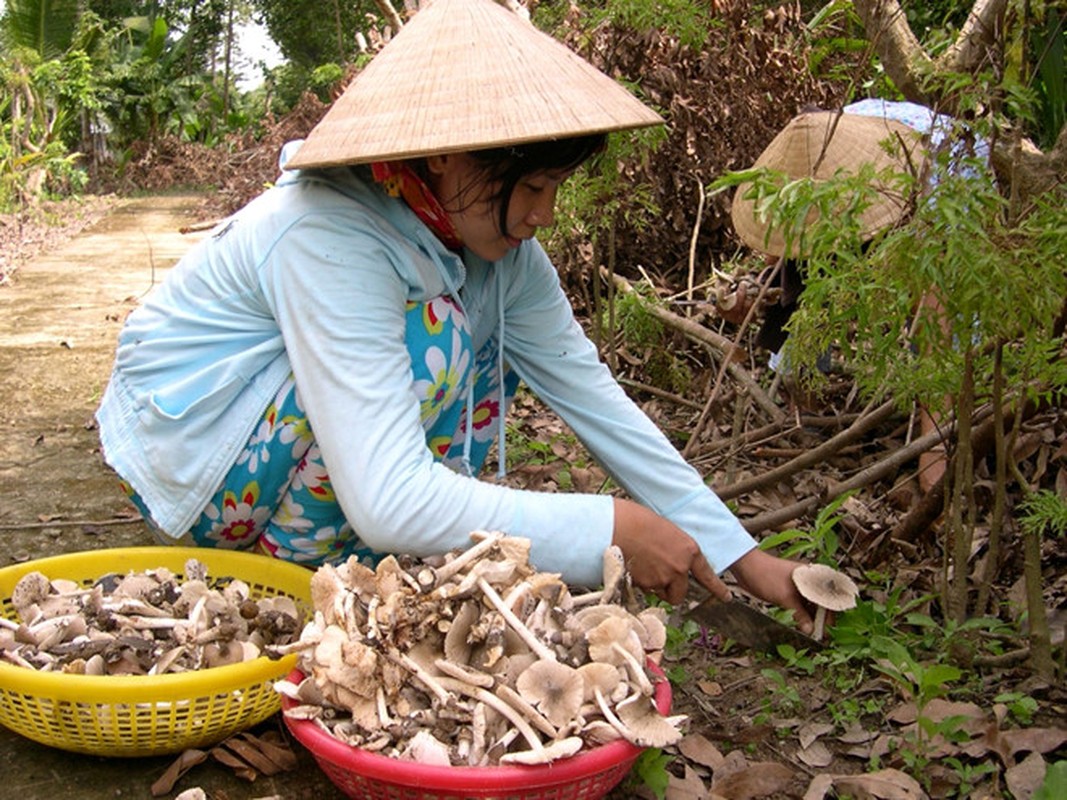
468 199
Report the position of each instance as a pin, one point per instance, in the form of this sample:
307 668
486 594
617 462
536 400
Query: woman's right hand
660 556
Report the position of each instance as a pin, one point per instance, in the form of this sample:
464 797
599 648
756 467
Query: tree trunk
227 59
1025 166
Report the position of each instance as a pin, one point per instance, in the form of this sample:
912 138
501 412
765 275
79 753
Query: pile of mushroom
142 623
477 659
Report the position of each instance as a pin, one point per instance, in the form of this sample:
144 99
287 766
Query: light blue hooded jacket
312 277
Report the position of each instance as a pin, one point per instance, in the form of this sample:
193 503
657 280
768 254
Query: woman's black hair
504 167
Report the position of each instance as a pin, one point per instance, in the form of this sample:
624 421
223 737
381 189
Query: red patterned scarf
400 180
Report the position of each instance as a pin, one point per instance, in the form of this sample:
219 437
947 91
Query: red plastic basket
590 775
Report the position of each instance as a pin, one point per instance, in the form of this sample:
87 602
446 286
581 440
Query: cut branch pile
477 659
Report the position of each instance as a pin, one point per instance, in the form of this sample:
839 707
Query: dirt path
59 321
58 326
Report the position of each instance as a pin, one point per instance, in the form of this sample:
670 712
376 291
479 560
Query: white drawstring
467 470
502 469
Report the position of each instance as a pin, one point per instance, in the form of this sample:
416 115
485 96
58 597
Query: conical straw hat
819 145
467 75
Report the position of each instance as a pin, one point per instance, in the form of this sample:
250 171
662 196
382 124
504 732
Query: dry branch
726 349
831 447
864 477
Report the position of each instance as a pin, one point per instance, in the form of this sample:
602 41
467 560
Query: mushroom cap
554 688
598 674
825 586
649 728
652 629
326 586
610 632
561 748
33 587
425 748
195 570
457 646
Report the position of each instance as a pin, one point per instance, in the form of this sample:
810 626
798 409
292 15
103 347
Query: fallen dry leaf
754 733
1026 777
1007 744
274 747
240 768
938 710
182 764
691 787
734 761
700 750
252 751
819 786
811 731
887 784
816 755
756 780
1034 740
710 688
857 734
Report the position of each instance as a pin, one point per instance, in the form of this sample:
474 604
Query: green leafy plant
969 775
680 637
961 638
922 683
855 629
850 710
963 248
1020 706
1055 784
650 769
798 660
783 697
1043 510
818 544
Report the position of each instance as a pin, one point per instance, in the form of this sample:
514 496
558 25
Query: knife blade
747 625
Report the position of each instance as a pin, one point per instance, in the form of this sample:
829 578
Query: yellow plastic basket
148 715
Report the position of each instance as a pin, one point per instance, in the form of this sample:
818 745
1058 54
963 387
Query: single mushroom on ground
827 588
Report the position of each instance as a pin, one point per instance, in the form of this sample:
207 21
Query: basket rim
507 777
111 689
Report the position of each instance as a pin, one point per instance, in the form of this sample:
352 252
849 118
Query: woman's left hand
771 578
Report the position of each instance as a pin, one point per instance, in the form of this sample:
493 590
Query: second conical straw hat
467 75
819 145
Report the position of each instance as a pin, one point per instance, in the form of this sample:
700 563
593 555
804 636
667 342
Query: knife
747 625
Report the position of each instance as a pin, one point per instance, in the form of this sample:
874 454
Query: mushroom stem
635 668
587 598
466 675
383 709
539 647
450 568
478 728
373 635
820 623
494 702
428 680
151 623
16 658
538 719
610 716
